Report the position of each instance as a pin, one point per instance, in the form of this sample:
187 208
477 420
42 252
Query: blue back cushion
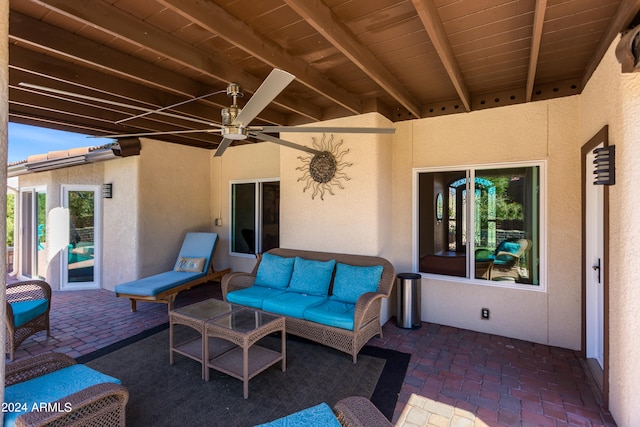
311 277
512 247
198 245
351 281
274 271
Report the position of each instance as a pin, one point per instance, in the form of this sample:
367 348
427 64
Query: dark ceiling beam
62 110
24 62
433 25
536 36
138 78
218 21
326 23
72 47
627 10
122 25
88 81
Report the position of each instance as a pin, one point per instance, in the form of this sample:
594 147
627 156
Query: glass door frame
97 239
28 232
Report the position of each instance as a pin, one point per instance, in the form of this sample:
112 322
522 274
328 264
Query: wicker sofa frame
366 323
26 291
100 405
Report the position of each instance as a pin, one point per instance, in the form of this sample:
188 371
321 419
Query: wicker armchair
99 405
28 305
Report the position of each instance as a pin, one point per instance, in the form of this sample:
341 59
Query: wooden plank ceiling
405 59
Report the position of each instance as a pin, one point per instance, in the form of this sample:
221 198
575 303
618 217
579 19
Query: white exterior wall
613 99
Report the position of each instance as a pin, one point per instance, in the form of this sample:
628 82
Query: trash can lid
409 276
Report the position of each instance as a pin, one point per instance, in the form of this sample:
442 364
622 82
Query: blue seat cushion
318 416
332 313
274 271
291 304
252 296
26 311
51 387
351 281
311 277
153 285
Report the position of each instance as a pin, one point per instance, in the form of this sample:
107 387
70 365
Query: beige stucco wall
174 187
613 99
121 225
540 131
356 219
244 162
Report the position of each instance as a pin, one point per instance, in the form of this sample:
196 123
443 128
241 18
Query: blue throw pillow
274 271
311 277
351 281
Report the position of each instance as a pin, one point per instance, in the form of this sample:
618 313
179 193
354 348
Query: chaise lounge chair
193 267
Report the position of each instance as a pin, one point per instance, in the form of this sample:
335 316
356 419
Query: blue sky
26 140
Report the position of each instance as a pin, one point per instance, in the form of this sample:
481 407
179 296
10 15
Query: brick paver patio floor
455 378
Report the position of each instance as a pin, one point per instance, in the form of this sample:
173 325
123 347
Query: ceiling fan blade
170 132
224 144
168 107
271 87
312 129
289 144
115 103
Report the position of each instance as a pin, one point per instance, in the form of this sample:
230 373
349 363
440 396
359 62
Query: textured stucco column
4 146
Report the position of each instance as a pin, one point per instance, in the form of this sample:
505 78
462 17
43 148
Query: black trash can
408 304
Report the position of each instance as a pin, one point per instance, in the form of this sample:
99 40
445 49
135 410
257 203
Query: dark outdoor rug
175 395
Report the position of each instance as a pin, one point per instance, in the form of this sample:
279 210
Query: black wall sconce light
605 161
107 191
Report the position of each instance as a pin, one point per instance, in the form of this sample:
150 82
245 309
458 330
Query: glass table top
244 320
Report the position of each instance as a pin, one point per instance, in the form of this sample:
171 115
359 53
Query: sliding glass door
33 233
81 262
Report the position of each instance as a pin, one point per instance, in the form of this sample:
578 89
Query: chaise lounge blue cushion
252 296
25 311
50 388
292 304
195 245
153 285
332 313
318 416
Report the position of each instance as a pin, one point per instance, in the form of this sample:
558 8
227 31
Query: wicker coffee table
195 316
244 328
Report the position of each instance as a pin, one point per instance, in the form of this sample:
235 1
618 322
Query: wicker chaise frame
357 411
26 291
101 405
366 322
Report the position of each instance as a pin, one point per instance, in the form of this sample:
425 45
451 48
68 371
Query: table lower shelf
193 348
232 362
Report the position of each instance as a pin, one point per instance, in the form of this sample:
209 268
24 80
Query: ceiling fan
235 120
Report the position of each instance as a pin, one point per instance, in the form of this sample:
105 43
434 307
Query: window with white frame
255 216
481 223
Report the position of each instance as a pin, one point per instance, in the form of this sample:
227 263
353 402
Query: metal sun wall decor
323 171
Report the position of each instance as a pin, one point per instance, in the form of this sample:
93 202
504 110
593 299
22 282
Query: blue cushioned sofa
330 298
